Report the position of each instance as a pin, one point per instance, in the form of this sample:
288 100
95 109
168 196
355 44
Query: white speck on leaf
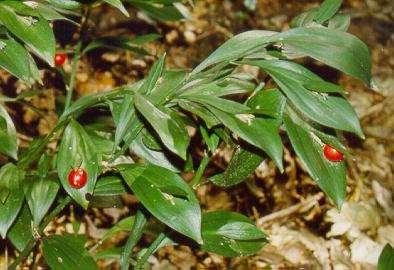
246 118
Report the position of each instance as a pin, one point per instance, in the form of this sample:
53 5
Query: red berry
77 178
60 59
332 154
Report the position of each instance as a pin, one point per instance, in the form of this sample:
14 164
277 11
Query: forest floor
305 230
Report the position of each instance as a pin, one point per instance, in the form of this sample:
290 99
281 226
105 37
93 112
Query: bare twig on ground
301 206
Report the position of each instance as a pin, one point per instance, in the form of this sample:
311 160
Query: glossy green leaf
109 186
335 48
8 145
172 133
304 19
166 196
157 157
10 180
65 4
329 176
123 225
14 59
40 194
211 139
327 10
329 110
299 73
269 102
339 22
119 5
386 258
153 76
95 99
65 252
240 230
126 115
242 164
231 234
78 151
122 42
21 233
260 132
158 12
237 47
167 87
34 31
219 103
202 112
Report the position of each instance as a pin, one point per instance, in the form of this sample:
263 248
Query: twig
74 68
290 210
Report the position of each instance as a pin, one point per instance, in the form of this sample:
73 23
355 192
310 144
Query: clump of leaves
150 119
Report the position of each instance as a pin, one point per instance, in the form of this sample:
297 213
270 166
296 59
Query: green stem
151 249
32 243
74 67
200 171
135 235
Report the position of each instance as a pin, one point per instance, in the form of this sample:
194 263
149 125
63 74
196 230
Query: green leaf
78 151
158 12
202 112
269 102
125 118
20 233
119 5
231 234
95 99
122 42
211 139
327 10
386 258
40 194
237 47
170 83
8 145
166 196
304 19
219 103
258 131
15 59
65 4
153 76
329 176
109 186
172 133
329 110
123 225
299 73
11 180
335 48
242 164
157 157
240 230
339 22
65 252
34 31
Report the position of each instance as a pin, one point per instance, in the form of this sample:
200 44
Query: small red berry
60 59
77 178
332 154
